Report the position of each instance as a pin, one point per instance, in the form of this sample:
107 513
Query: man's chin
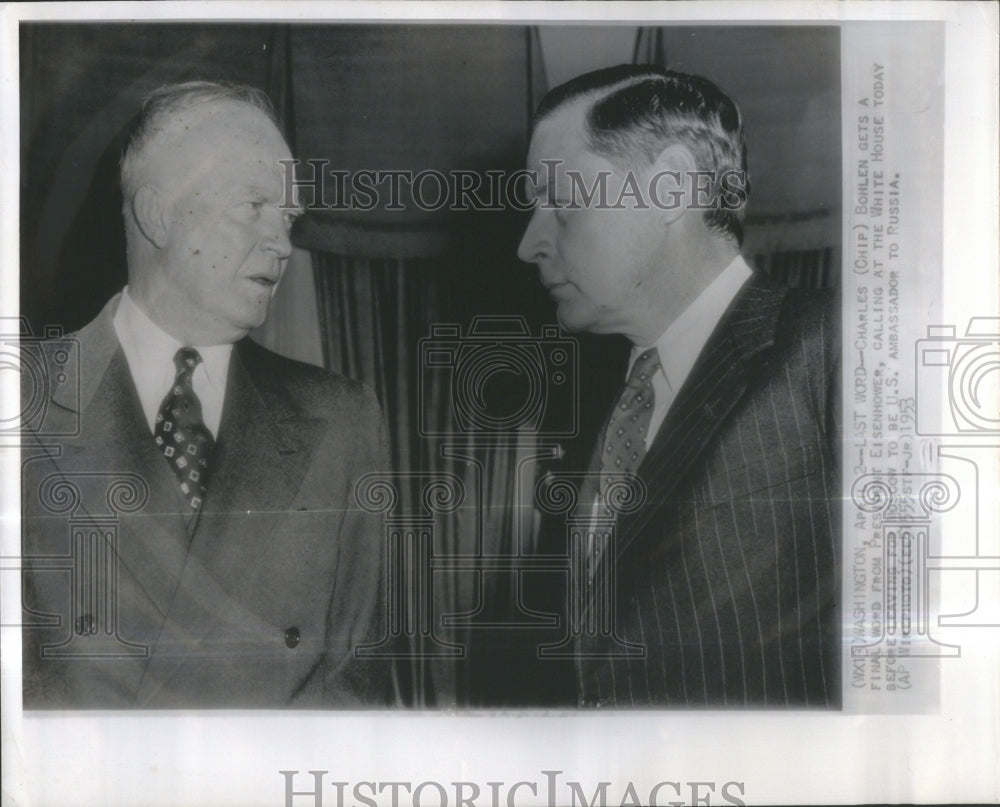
572 320
254 316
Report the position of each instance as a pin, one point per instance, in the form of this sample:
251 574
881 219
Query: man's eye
252 207
558 203
563 208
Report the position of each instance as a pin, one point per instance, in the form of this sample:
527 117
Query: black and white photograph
245 570
388 381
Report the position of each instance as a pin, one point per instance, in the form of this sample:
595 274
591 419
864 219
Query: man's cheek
241 240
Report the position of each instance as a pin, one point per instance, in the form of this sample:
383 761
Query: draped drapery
388 280
384 279
377 315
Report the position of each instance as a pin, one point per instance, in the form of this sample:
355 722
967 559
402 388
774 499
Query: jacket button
292 637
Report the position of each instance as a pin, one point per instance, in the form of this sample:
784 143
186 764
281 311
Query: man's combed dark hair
638 110
167 103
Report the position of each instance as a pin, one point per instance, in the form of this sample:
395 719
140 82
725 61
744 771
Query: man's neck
691 272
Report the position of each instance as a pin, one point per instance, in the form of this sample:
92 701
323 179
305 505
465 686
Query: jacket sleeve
354 675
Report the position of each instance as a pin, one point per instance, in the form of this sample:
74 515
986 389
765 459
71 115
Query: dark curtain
377 317
393 285
792 124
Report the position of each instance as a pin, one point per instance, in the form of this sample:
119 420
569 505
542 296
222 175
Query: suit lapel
265 442
264 450
715 385
115 439
154 546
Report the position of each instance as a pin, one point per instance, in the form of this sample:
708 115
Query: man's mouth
267 281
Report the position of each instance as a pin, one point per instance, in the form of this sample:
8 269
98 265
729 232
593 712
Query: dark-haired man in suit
197 544
725 585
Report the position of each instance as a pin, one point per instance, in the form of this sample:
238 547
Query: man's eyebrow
251 189
262 193
542 191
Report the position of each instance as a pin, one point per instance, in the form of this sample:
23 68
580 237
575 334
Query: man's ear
150 215
673 181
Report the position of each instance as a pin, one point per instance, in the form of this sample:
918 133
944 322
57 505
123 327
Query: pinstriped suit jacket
728 575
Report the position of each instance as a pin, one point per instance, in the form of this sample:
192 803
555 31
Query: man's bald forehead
176 110
193 123
186 144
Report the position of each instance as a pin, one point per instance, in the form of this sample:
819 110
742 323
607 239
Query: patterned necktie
625 436
181 433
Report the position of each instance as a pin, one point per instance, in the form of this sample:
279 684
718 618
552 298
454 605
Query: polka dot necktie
625 436
181 433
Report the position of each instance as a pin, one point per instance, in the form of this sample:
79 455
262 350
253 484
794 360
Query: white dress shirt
679 347
150 351
685 338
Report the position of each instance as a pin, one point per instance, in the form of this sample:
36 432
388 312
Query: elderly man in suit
195 542
725 575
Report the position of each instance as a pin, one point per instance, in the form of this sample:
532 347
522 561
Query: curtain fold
376 320
385 279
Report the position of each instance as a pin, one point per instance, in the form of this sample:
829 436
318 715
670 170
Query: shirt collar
155 348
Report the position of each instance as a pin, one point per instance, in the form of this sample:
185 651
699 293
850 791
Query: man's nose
536 243
276 238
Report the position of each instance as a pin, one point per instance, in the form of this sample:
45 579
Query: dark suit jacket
728 575
260 604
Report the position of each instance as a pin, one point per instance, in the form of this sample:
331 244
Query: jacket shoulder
814 313
314 389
